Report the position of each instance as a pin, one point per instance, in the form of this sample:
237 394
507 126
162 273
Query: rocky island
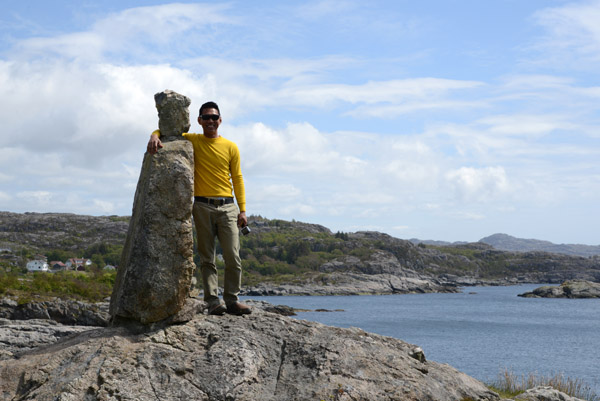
568 289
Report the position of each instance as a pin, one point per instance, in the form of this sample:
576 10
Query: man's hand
154 144
242 219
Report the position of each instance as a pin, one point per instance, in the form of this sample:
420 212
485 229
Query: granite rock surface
262 356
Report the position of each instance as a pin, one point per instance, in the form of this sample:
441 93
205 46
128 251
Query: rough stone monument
156 268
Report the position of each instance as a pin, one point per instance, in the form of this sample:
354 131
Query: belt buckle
218 202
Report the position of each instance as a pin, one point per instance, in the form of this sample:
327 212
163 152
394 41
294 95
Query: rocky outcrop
28 326
475 260
156 268
262 356
355 284
568 289
40 231
64 311
19 336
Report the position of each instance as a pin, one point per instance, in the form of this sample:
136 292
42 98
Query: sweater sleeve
237 179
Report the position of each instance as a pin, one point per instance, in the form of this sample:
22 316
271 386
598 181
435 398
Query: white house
37 266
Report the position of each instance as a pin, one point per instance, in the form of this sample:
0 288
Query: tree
98 261
59 255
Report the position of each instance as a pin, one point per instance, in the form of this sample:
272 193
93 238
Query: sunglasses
213 117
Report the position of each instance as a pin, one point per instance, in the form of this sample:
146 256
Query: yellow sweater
216 166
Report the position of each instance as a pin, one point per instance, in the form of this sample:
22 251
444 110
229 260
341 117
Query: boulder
156 268
543 393
262 356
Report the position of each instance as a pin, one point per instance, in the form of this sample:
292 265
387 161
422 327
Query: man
216 168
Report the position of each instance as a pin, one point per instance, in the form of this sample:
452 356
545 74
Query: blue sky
445 120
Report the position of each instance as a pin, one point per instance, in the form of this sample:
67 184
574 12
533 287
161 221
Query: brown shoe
238 308
217 309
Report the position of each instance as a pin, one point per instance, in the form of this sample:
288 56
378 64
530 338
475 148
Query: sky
446 120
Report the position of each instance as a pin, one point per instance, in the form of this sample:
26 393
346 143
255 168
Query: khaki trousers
221 222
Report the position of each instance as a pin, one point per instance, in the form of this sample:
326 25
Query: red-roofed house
78 263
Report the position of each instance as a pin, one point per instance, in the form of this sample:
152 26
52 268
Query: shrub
77 285
509 384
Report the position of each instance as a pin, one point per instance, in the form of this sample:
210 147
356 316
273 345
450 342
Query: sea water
481 331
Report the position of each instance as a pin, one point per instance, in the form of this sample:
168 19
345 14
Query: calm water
480 332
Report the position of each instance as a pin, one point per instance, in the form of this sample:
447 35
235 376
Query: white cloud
478 184
412 106
273 70
524 125
88 114
407 159
298 83
573 34
40 198
298 147
466 215
373 92
335 170
296 209
536 82
129 33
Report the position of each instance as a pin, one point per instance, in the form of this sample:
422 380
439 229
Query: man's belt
214 201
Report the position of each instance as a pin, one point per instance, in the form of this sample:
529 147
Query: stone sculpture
156 267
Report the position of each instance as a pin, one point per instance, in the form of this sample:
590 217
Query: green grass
90 287
508 385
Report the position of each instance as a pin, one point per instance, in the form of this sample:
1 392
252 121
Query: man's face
206 120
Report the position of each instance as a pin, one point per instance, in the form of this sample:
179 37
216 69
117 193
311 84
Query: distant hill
505 242
278 248
43 231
